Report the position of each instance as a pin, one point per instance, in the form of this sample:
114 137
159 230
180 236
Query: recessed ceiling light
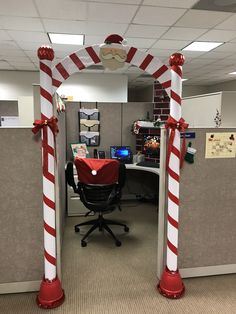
202 46
66 39
184 79
233 73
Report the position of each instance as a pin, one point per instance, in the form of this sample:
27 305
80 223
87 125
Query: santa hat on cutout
113 41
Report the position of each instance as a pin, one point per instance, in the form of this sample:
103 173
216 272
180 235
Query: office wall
8 108
116 120
96 87
21 223
17 83
207 230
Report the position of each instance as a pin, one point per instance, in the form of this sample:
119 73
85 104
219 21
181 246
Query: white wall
82 86
26 110
96 87
17 83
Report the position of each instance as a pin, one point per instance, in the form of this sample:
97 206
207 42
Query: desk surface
150 169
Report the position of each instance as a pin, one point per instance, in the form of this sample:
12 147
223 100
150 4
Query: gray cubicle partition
21 223
207 232
116 120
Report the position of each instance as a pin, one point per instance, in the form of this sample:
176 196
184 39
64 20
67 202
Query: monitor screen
120 152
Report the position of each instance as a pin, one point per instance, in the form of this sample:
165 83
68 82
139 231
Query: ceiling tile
31 46
17 59
115 13
158 16
202 19
171 3
183 33
5 66
100 28
160 52
119 1
229 23
21 23
64 26
228 47
31 37
218 35
12 52
216 54
18 8
4 35
147 31
170 44
91 40
62 10
8 44
68 49
140 42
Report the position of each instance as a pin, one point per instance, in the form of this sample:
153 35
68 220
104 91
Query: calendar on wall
220 145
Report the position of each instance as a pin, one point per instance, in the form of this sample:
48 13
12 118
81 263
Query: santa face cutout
112 58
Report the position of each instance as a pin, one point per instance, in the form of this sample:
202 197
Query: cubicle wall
207 230
116 120
21 223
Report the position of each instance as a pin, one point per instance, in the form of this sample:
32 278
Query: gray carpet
104 279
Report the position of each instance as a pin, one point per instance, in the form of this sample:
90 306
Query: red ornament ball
45 52
176 59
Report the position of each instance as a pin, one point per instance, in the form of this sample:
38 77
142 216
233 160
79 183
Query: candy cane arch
51 294
171 284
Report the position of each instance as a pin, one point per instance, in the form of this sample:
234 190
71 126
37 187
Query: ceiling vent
216 5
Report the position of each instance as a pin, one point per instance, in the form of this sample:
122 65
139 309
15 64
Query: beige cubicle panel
21 224
207 230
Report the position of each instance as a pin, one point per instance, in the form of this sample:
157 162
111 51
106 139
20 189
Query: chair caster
77 229
118 243
83 243
126 229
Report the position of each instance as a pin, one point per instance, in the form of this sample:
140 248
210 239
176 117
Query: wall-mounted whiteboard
200 111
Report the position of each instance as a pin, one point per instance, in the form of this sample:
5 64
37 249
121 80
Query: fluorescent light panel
184 79
66 39
233 73
202 46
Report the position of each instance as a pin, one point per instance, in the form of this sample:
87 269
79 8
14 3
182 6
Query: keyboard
148 164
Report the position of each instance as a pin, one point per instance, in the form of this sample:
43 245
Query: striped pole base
171 285
51 294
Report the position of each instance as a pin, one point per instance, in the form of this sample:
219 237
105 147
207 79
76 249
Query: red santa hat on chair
113 41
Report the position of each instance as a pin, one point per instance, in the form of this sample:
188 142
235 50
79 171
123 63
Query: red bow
181 126
52 123
42 124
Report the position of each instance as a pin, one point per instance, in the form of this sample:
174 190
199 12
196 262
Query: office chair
100 182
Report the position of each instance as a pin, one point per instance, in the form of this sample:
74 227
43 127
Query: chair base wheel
118 243
77 229
126 229
83 243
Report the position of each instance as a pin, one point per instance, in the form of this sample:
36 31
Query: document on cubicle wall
220 145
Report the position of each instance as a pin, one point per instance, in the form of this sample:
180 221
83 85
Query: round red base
171 285
50 294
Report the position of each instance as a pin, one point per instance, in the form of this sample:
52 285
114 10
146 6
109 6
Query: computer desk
136 167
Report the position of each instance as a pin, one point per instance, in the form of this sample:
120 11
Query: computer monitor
121 153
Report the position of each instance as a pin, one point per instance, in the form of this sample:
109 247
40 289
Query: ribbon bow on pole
52 123
181 126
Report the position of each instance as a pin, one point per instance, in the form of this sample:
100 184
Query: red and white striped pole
51 294
171 284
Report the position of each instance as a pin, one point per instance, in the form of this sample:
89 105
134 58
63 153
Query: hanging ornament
190 154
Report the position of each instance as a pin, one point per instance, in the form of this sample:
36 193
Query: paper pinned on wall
220 145
79 150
